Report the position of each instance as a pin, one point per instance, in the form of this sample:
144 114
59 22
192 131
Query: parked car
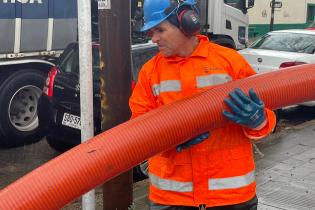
280 49
59 104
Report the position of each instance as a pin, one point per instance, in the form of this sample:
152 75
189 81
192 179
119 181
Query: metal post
86 84
115 37
272 14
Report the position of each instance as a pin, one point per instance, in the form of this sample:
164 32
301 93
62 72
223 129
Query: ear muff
189 21
186 18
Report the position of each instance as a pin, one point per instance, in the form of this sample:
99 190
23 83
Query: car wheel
19 95
140 172
59 146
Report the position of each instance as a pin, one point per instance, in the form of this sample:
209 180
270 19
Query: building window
310 13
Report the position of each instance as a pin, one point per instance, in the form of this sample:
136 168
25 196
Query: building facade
290 14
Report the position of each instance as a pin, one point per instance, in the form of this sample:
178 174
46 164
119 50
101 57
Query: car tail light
49 86
288 64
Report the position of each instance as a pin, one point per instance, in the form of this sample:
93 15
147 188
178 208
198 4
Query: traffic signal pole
115 39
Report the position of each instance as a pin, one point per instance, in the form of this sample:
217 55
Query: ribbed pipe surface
103 157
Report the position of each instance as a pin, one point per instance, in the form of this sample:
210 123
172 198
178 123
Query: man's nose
155 38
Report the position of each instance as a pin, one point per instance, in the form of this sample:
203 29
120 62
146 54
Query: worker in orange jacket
214 170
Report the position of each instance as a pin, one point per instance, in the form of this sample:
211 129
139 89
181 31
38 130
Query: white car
280 49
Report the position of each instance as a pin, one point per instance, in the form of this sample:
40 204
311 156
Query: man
214 170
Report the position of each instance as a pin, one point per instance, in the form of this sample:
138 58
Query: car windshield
289 42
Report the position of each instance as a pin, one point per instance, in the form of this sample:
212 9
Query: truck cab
225 22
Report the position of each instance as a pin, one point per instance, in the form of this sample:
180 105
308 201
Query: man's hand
247 111
193 141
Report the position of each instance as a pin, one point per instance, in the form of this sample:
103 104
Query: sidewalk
286 172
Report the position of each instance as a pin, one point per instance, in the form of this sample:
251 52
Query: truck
33 33
226 22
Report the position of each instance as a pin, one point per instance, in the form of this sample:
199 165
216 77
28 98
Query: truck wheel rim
22 108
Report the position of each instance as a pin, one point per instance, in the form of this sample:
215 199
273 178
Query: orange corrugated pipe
108 154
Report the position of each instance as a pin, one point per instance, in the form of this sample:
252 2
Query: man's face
168 38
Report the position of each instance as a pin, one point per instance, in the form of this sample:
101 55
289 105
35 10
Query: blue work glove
193 141
247 111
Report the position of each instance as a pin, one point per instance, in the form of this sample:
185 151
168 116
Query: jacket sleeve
142 99
266 130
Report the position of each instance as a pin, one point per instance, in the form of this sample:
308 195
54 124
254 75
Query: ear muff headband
181 13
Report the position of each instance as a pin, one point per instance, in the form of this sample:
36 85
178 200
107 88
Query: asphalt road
16 162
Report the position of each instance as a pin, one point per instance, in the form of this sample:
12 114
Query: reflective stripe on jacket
213 184
218 171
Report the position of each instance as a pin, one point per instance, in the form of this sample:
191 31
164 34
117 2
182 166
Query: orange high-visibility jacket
220 170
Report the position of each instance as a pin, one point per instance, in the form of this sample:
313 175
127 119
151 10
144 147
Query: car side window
74 66
70 62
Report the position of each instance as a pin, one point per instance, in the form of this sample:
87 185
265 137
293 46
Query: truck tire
19 94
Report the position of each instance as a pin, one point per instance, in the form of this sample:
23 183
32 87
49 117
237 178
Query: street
285 165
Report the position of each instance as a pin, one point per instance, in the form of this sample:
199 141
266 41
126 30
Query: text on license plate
71 120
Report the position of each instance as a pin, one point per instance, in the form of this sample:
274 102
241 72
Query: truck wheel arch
223 40
7 69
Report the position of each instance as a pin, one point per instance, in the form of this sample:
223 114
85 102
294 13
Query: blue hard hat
156 11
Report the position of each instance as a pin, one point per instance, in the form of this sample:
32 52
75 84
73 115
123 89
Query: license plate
71 120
